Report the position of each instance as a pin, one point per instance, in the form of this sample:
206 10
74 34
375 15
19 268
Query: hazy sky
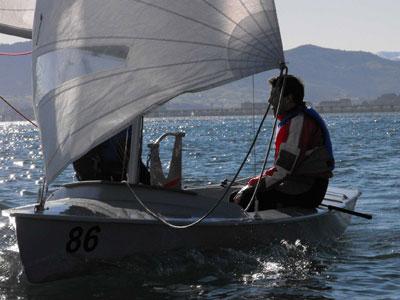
368 25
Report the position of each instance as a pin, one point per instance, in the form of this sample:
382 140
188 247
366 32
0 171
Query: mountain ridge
328 74
392 55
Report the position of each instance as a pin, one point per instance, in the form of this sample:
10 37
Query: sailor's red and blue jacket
303 152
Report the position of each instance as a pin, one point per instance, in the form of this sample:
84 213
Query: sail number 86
78 239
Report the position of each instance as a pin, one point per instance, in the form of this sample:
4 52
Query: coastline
13 117
250 111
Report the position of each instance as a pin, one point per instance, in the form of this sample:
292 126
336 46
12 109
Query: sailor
303 154
109 161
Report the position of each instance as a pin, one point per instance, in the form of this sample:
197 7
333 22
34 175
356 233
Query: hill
328 74
331 74
392 55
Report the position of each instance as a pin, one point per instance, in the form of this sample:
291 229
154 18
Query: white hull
73 232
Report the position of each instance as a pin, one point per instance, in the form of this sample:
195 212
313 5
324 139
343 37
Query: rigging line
241 27
15 53
254 130
276 37
162 219
284 68
198 22
17 111
265 55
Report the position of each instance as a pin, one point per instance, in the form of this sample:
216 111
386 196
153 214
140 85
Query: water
363 264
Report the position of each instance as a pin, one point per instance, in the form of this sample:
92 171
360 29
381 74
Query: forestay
98 64
16 17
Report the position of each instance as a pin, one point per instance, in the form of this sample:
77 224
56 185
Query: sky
367 25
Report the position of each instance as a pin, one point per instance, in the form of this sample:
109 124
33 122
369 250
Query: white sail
99 63
16 17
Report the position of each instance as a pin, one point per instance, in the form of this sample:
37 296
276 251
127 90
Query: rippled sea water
363 264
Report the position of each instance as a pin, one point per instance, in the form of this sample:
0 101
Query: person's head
293 94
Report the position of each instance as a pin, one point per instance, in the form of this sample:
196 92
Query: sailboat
97 68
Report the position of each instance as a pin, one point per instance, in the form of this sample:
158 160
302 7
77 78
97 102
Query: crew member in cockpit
303 154
109 161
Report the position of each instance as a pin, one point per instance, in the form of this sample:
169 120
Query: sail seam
16 9
151 39
44 101
199 22
277 37
241 27
255 21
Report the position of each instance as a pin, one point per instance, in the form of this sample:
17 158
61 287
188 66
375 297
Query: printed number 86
90 240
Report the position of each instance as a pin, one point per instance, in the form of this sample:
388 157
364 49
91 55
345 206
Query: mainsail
99 64
16 17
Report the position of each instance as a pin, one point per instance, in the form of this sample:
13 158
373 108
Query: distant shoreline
245 112
250 112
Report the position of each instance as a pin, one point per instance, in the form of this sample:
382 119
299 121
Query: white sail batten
16 17
99 64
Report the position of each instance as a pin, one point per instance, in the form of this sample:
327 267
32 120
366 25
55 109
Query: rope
15 53
283 69
18 112
254 129
162 219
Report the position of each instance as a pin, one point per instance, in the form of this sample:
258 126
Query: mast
135 150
